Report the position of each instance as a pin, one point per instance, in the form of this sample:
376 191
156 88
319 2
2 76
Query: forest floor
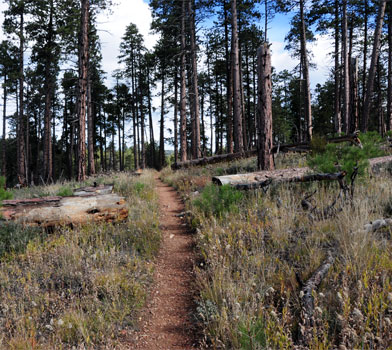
166 321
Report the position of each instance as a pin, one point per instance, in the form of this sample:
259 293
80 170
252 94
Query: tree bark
264 109
389 89
237 111
4 148
354 99
175 121
337 116
90 127
242 182
346 88
48 169
373 66
83 73
162 124
183 142
56 211
307 300
305 67
229 83
21 120
196 151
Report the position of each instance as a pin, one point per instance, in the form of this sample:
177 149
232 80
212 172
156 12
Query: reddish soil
166 322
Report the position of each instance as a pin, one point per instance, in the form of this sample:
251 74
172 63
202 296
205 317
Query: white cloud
111 28
321 51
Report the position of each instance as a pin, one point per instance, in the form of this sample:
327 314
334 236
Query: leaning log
54 211
280 148
263 179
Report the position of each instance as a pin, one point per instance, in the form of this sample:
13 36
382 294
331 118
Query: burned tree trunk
264 110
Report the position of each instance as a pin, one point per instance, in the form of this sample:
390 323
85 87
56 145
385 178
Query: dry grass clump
255 259
77 289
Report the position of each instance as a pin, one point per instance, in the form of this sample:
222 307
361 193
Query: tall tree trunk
305 67
152 140
365 49
346 89
373 66
90 128
337 116
22 166
196 151
229 83
162 124
380 107
83 73
175 122
4 149
142 128
183 143
237 112
354 99
48 161
389 89
264 109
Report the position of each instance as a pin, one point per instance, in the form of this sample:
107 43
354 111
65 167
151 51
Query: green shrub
4 194
65 192
252 336
218 200
346 155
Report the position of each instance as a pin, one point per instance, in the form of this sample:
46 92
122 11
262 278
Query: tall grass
254 260
80 288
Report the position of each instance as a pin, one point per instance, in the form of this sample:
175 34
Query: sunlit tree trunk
305 67
373 66
237 110
83 71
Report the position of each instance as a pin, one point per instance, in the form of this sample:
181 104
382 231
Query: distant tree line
204 71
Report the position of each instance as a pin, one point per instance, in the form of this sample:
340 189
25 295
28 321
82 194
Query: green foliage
252 335
65 192
218 200
346 155
139 188
4 194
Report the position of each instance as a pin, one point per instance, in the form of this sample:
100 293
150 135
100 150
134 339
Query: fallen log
214 159
284 148
93 190
260 180
54 211
307 298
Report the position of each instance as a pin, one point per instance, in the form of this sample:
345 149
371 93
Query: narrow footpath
166 322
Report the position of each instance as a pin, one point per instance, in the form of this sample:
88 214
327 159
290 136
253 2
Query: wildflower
321 295
60 322
49 327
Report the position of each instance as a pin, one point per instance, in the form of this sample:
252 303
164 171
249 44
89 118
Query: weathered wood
214 159
260 180
293 147
93 190
54 211
307 298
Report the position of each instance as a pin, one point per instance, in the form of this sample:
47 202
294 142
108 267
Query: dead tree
264 109
307 299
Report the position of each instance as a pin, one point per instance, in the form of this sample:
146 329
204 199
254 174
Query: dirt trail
166 320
